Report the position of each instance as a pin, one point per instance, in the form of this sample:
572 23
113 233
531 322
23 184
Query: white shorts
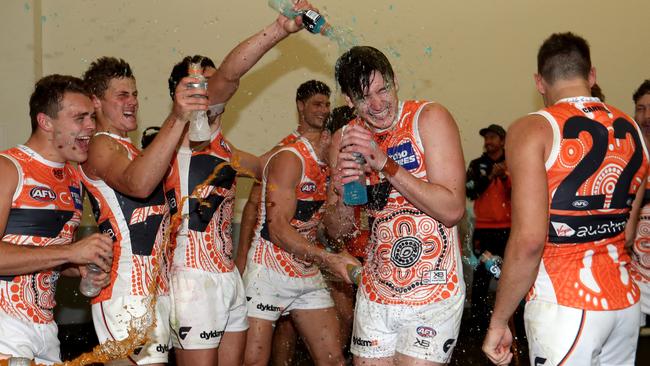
204 306
26 339
645 297
271 294
111 319
427 332
560 334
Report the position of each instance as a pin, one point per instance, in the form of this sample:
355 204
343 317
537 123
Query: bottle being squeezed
312 20
199 127
86 286
355 193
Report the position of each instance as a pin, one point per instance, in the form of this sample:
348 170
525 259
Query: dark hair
339 117
354 70
643 89
180 70
103 70
148 135
310 88
597 92
49 92
563 56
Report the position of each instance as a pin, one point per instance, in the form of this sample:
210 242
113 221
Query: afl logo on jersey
42 194
580 204
308 187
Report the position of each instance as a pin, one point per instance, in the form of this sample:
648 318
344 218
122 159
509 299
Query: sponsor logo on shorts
422 343
43 194
308 187
162 348
211 334
364 342
248 298
182 331
426 332
448 344
434 277
539 361
267 307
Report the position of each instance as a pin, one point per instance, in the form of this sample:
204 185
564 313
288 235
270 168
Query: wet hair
148 135
354 70
643 89
310 88
103 70
597 92
49 92
339 117
181 70
563 56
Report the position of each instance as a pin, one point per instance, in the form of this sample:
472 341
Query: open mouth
129 115
82 142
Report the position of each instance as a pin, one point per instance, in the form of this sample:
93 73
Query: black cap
493 128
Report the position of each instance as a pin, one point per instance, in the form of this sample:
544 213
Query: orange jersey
289 139
597 164
137 228
413 259
45 210
203 238
311 194
357 243
640 264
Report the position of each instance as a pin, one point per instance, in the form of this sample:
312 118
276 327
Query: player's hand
96 248
100 280
188 100
360 139
295 24
338 264
496 345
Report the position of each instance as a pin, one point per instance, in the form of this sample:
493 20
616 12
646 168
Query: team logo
364 342
562 229
448 344
580 203
404 155
406 251
182 331
57 173
43 194
308 187
421 343
426 332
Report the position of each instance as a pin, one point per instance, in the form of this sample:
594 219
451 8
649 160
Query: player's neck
563 89
44 146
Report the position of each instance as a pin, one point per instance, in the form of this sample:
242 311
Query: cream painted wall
476 57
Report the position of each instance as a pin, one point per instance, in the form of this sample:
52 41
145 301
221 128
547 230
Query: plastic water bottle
354 193
354 273
86 286
492 264
312 20
199 127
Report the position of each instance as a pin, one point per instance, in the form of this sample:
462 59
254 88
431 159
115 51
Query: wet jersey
597 164
413 259
206 181
311 194
640 264
137 227
289 139
45 210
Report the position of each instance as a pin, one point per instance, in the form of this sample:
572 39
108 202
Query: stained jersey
597 164
413 259
137 227
45 210
640 264
311 194
206 180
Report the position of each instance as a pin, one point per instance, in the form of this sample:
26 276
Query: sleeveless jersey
413 259
640 264
289 139
137 227
311 194
203 235
597 164
45 210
